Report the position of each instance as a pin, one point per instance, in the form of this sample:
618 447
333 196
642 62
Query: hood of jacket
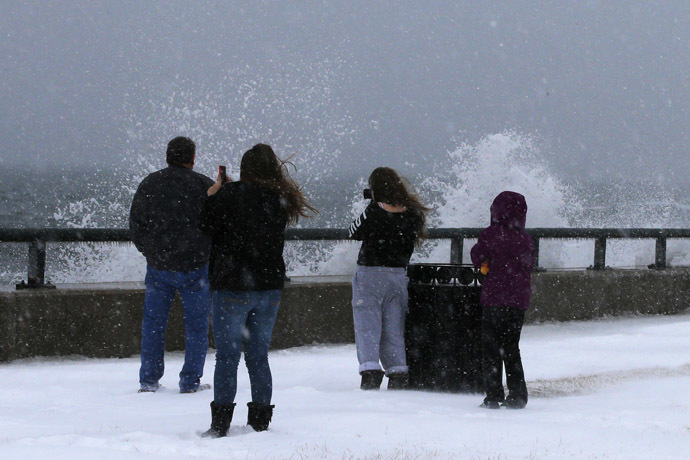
509 209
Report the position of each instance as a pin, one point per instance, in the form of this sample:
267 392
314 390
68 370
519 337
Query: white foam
460 193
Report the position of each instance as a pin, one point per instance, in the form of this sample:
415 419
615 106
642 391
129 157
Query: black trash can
443 328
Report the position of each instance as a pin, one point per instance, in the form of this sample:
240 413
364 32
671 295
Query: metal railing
38 238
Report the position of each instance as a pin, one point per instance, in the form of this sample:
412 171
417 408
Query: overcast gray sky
602 86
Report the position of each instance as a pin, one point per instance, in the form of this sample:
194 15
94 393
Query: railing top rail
609 232
26 235
567 232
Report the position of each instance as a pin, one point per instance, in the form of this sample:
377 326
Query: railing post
36 272
599 253
37 263
456 250
660 253
536 255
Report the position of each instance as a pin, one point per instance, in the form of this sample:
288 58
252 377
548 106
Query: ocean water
459 191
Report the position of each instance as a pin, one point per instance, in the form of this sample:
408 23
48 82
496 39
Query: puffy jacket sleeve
139 230
480 251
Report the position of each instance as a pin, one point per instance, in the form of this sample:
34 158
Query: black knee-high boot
221 416
259 416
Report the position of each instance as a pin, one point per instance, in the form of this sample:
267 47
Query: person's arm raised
219 183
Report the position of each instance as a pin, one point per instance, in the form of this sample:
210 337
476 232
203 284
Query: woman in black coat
246 221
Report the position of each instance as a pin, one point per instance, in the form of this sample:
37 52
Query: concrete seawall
104 320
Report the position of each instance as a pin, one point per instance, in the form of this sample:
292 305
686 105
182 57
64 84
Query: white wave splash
460 194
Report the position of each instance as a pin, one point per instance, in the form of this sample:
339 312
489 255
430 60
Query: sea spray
460 192
295 108
298 112
469 178
341 257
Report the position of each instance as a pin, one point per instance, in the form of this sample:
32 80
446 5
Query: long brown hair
261 165
390 188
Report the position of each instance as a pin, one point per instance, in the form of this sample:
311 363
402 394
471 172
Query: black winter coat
247 225
388 238
164 219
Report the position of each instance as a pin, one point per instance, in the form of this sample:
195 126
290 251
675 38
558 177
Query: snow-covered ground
608 389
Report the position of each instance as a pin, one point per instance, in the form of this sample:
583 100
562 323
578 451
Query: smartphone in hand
223 172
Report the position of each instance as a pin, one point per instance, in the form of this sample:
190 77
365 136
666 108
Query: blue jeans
196 301
243 320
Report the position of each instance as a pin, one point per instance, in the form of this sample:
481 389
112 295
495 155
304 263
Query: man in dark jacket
509 252
163 223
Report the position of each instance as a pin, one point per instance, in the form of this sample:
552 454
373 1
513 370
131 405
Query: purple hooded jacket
509 251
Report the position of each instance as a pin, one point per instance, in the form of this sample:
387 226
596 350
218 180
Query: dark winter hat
180 151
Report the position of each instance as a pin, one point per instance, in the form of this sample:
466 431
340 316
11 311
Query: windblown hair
261 166
390 188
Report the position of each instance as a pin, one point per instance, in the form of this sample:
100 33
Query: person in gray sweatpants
389 228
379 303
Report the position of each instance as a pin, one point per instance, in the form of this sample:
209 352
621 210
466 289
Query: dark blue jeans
243 320
196 301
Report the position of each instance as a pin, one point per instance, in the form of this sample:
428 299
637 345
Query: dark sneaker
202 387
146 388
490 405
516 403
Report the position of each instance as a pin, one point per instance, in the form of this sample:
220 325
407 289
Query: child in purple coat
509 252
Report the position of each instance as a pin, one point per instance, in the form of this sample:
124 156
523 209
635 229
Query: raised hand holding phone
220 180
222 174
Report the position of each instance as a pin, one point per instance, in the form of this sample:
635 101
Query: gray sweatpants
379 305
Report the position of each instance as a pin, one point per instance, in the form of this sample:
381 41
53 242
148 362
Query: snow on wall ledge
105 321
